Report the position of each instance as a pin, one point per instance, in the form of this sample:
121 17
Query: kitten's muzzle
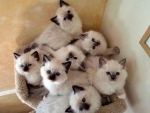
52 77
26 68
69 16
84 107
113 77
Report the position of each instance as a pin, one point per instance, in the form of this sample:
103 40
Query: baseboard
7 92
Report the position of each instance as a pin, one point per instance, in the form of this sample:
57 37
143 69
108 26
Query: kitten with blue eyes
94 43
58 79
65 27
29 64
85 99
69 53
110 77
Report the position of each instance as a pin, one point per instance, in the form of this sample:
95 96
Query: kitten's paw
122 96
116 50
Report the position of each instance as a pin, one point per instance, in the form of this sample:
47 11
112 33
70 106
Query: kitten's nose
113 77
84 106
26 68
52 77
70 16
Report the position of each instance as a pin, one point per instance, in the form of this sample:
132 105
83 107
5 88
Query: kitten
53 104
28 65
94 43
84 100
69 53
65 27
58 79
110 77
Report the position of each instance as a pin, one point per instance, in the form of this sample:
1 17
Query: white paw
123 96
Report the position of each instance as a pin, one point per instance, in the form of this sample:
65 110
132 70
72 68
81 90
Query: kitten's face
93 42
27 63
54 71
76 56
84 100
65 16
112 70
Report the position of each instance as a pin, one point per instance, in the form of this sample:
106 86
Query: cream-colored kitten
85 99
68 53
58 79
94 43
29 64
110 77
66 27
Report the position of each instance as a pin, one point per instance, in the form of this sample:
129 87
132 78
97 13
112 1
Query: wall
21 21
124 23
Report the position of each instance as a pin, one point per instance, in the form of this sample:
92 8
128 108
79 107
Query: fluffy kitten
53 104
84 100
66 27
94 43
110 77
68 53
58 79
28 65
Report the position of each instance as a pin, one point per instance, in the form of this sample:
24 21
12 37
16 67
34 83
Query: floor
11 104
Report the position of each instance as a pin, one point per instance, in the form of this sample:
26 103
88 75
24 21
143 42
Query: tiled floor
11 104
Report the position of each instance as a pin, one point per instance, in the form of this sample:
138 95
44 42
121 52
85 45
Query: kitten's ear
45 59
67 66
123 63
77 89
16 55
36 55
101 62
69 110
83 36
62 3
54 19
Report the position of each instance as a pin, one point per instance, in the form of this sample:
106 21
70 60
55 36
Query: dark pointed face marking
113 75
84 106
95 43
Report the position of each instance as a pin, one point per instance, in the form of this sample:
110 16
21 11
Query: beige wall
23 20
124 23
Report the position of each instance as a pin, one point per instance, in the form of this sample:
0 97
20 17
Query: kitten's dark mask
95 43
71 56
113 75
68 16
53 76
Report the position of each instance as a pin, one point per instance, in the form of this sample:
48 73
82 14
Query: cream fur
64 82
92 97
104 84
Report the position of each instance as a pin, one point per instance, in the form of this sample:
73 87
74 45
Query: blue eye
83 100
75 58
117 73
67 59
69 11
48 72
57 73
93 47
108 73
65 18
93 40
29 64
22 65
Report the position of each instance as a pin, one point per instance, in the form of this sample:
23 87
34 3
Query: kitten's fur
66 26
60 79
84 99
53 104
28 65
110 77
68 53
94 43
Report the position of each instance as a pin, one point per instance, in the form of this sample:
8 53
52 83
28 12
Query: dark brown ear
16 55
54 19
123 63
101 62
67 66
45 59
36 55
69 110
83 36
62 3
77 89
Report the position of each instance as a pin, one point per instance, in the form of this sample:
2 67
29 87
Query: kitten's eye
29 64
108 73
93 47
68 11
83 100
117 73
65 18
75 58
22 65
57 73
93 40
67 59
48 72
